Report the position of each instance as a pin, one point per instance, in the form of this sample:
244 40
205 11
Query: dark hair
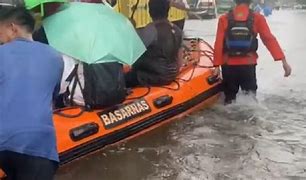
19 16
243 1
159 9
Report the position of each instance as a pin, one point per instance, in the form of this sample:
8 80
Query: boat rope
206 53
60 112
138 97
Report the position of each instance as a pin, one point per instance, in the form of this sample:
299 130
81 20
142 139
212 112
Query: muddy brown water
247 140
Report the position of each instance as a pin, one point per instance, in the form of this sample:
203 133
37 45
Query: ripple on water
220 143
244 141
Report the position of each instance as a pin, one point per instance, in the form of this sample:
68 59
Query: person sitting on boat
30 73
90 85
159 65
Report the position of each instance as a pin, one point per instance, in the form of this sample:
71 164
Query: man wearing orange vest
235 49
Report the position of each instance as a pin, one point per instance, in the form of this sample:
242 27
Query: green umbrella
93 33
30 4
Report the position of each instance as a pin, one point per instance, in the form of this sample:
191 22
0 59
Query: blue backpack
240 38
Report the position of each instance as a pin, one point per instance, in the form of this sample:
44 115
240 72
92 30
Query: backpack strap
250 20
74 78
72 74
231 19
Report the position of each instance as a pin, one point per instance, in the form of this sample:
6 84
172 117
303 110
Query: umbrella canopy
31 4
93 33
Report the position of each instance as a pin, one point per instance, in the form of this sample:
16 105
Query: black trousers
238 76
23 167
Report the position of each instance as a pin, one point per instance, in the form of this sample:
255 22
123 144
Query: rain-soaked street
242 141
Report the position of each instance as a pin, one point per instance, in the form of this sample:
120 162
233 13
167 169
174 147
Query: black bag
240 38
104 85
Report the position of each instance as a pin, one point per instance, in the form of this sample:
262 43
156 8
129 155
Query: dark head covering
159 9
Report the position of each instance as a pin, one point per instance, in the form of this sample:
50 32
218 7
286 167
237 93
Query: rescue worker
30 73
235 49
159 65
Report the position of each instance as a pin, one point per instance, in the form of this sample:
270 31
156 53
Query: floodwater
247 140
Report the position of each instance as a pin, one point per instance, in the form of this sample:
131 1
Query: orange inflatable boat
82 132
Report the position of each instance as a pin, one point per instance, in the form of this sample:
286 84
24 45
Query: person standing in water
30 74
236 49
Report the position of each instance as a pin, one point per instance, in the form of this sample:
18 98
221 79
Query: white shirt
69 64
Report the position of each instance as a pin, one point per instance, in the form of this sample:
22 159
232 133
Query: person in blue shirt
29 76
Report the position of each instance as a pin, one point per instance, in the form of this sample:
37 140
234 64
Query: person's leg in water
248 81
230 83
20 166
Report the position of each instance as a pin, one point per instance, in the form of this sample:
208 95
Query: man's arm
179 36
272 44
219 42
179 4
147 34
218 47
269 39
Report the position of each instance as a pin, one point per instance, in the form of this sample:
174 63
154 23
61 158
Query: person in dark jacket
159 65
30 73
236 49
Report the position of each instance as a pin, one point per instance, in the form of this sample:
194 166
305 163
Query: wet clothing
30 74
243 76
260 27
159 64
240 71
23 167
